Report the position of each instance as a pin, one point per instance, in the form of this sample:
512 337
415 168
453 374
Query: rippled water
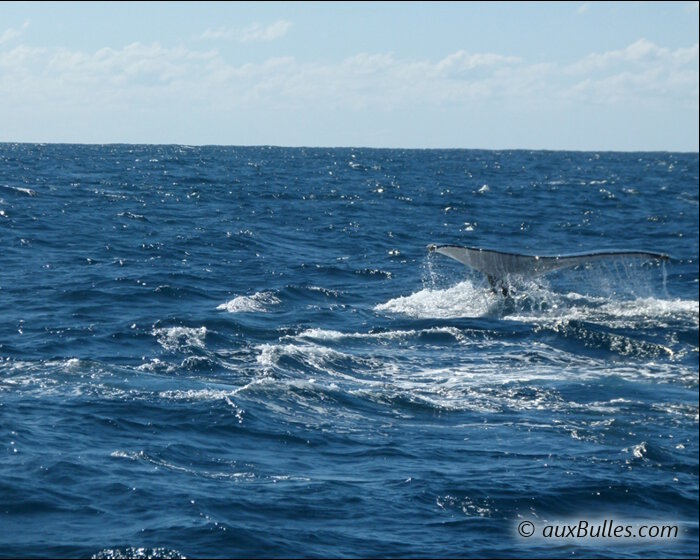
250 352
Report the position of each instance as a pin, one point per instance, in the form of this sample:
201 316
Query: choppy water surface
249 352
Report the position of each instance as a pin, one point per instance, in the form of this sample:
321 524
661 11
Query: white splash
257 303
613 313
461 300
640 450
179 338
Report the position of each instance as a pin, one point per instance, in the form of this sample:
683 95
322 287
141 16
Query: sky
601 76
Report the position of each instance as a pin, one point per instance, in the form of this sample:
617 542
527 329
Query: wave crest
257 303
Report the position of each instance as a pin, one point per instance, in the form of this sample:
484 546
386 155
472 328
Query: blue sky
492 75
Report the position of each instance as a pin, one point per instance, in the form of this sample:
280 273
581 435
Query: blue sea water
249 352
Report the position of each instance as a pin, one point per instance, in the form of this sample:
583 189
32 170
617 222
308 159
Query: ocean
250 352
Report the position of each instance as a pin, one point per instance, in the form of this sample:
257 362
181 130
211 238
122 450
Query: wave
181 338
137 553
486 374
20 190
324 335
259 302
229 470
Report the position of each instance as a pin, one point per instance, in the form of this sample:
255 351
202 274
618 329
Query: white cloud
361 80
641 72
638 52
135 76
463 62
9 34
251 33
130 86
686 56
583 8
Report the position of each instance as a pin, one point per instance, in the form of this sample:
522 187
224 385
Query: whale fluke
497 265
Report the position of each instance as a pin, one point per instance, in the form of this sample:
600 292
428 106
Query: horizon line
348 147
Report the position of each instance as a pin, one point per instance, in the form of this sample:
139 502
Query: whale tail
498 265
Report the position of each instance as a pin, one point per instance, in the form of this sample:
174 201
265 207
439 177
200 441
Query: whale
497 266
